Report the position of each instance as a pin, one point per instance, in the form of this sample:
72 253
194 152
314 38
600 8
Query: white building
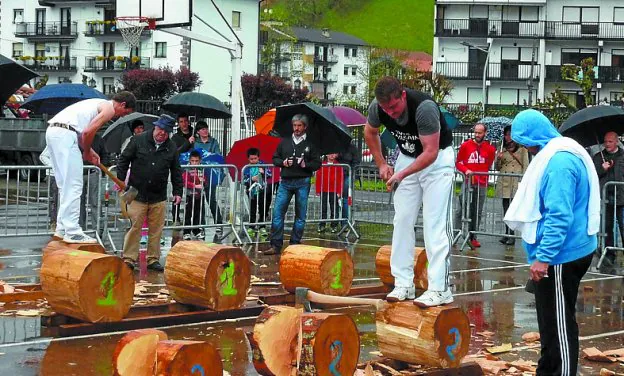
527 38
332 65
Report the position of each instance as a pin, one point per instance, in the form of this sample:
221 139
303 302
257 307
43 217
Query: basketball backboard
167 13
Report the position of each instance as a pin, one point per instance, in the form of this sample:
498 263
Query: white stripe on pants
67 165
433 187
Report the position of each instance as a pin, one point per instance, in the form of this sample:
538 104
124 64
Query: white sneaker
431 298
187 237
401 293
79 239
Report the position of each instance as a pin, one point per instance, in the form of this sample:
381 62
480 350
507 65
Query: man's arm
278 159
217 147
105 113
126 158
431 146
461 157
373 140
315 159
176 175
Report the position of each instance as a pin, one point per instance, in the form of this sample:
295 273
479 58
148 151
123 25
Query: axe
303 297
129 193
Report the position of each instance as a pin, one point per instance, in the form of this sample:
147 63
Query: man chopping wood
69 131
423 174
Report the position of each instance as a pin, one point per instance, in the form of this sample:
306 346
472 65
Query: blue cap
165 122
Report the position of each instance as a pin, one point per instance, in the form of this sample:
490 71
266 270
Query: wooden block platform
31 292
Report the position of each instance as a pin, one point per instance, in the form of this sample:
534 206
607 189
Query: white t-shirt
80 114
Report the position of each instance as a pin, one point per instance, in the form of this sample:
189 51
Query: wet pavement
487 283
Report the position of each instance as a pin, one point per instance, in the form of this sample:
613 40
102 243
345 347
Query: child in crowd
194 213
255 180
329 184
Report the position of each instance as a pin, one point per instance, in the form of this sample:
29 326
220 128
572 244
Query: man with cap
153 157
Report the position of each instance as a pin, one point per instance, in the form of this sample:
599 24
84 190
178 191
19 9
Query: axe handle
344 300
120 183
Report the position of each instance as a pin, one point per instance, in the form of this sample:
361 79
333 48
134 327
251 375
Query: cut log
436 336
330 345
274 340
88 286
135 354
323 270
382 265
56 245
188 358
208 275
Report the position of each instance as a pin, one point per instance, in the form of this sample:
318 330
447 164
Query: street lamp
485 68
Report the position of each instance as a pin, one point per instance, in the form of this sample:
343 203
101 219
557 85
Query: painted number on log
337 272
227 277
107 285
451 348
336 351
197 368
79 253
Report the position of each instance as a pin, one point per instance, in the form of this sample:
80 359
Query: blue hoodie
564 196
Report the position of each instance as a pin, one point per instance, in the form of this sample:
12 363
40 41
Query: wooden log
88 286
330 345
323 270
135 354
436 336
55 245
187 358
382 265
272 354
208 275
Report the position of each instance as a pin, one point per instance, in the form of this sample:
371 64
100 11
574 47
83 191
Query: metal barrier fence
611 221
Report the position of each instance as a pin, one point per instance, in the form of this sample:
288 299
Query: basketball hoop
132 27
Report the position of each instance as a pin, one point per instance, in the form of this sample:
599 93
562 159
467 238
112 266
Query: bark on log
330 345
88 286
323 270
213 276
135 354
56 245
274 341
437 336
188 358
382 264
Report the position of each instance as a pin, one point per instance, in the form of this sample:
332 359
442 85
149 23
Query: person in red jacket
329 184
476 155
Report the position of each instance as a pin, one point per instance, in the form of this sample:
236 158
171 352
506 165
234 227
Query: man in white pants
423 174
69 131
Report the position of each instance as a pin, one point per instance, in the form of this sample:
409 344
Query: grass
396 24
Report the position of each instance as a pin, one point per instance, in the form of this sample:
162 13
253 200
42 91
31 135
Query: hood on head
532 128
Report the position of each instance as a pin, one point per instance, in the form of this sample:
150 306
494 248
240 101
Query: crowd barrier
611 220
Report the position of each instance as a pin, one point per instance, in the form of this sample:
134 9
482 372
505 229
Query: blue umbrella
51 99
207 159
451 121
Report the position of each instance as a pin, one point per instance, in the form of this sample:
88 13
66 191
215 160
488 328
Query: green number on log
107 285
78 253
337 272
228 277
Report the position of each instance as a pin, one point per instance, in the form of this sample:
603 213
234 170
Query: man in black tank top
423 174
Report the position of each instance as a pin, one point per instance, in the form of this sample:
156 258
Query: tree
439 85
270 91
159 84
185 80
583 76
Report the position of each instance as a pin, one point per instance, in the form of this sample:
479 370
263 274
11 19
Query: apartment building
525 44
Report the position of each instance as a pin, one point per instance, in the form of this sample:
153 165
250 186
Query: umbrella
589 125
13 77
349 116
119 131
495 126
264 123
198 104
238 153
451 121
51 99
207 159
325 131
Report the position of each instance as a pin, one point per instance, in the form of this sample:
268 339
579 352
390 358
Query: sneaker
79 239
431 298
58 235
130 264
143 239
156 266
271 251
503 240
162 241
201 235
474 243
511 241
334 229
401 293
320 229
187 237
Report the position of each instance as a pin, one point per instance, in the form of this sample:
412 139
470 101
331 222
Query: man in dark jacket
184 136
610 167
153 156
298 159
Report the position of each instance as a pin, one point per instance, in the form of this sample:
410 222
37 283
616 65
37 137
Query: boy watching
194 212
255 180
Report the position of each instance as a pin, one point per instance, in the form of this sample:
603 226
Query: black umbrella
198 104
325 131
13 77
589 125
52 99
119 131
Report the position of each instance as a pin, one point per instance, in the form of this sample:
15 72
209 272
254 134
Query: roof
335 37
421 61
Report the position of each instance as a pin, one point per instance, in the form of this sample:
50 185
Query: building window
353 89
354 52
18 49
580 14
346 52
529 14
161 49
18 15
236 19
475 95
345 89
353 71
575 55
40 49
618 15
108 84
617 97
346 71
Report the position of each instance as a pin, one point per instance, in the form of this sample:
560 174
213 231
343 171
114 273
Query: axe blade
301 299
130 194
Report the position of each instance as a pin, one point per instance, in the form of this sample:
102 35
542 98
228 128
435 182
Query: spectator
137 127
298 158
476 155
352 157
259 191
194 212
204 141
329 185
154 157
183 137
44 157
513 160
610 167
91 182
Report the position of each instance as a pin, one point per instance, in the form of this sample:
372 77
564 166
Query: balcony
48 64
49 31
327 78
327 59
284 56
105 28
496 71
114 64
285 75
611 74
51 3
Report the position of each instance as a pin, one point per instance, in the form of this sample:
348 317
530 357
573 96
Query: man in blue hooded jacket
557 208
